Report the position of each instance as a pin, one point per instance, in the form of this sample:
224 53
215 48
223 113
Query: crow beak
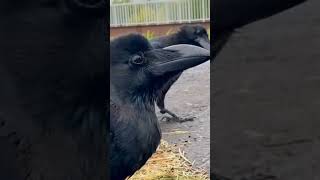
204 42
186 56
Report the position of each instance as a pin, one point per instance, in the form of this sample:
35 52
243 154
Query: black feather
52 93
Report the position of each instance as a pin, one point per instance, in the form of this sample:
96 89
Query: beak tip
204 42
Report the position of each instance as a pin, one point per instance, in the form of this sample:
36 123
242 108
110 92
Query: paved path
190 96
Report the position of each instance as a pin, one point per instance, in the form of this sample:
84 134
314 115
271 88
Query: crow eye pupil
137 60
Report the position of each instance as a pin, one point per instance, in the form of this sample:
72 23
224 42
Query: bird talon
176 119
166 111
163 111
165 118
187 119
181 120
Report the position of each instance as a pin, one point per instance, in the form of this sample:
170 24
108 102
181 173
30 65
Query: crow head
194 34
138 70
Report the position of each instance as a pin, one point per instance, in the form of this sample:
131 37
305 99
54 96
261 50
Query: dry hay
169 163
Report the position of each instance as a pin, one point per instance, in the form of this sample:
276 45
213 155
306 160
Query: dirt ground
190 97
266 110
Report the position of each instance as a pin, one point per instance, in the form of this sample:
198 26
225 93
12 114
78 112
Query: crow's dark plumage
137 72
53 89
229 15
187 34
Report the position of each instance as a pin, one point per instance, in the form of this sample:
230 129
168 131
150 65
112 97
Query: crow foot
174 117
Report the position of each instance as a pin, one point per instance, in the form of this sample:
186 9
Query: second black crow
187 34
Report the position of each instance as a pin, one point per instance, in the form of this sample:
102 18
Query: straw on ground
169 163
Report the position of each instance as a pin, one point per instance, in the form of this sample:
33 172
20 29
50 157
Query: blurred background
156 17
266 99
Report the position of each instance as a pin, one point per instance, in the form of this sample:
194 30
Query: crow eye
137 59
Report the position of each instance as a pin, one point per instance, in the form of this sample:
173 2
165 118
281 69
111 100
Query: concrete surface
190 97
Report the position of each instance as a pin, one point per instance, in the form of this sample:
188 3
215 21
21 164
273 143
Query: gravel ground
190 97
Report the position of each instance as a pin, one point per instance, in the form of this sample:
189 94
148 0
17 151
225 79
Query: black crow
53 89
187 34
229 15
137 72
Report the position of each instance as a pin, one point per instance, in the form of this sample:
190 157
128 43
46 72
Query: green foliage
169 32
149 35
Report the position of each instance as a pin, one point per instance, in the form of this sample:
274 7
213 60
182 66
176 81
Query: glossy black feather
52 92
134 130
185 35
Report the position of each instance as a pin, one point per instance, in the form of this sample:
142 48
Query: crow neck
143 100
